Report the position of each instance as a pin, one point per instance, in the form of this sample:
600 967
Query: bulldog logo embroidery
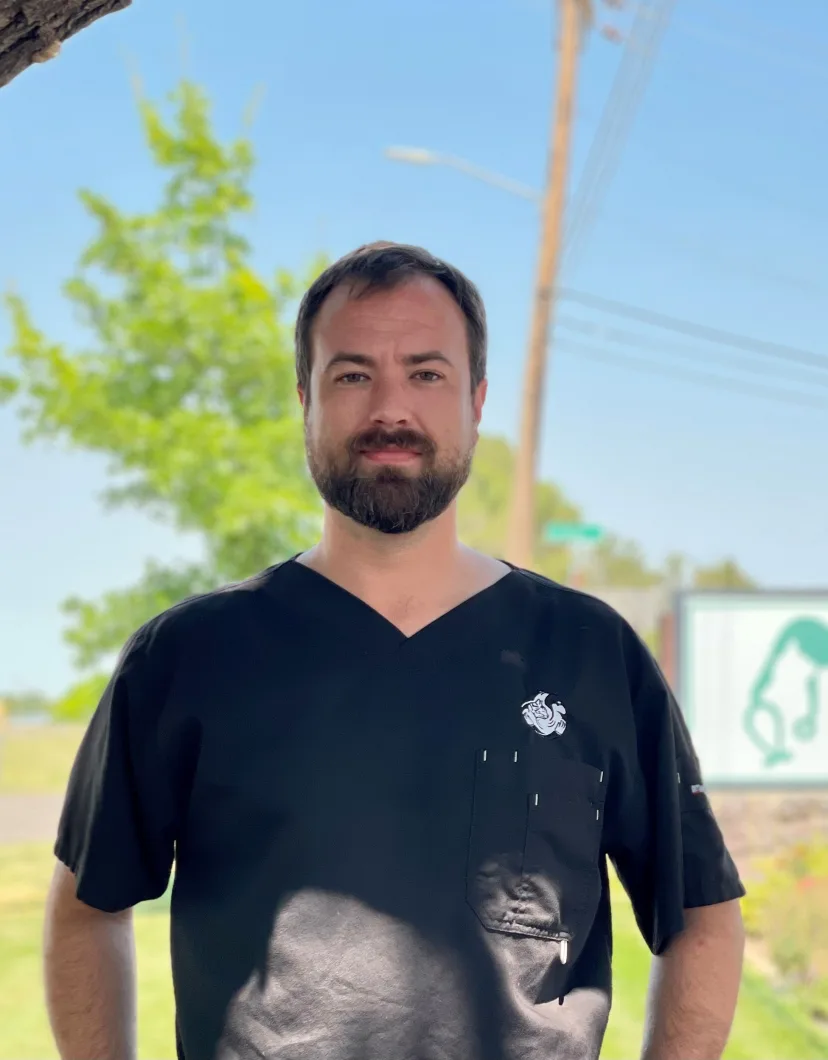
543 718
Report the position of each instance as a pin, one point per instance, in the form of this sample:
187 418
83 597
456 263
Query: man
390 769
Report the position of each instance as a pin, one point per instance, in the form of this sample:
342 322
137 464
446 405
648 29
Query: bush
79 703
24 704
788 909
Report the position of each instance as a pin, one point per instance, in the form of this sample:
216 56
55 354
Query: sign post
572 533
577 536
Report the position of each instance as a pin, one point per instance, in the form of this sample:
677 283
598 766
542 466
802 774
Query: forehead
418 314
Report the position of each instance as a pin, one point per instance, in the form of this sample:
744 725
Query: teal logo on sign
777 723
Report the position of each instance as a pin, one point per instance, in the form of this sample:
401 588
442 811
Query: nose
389 404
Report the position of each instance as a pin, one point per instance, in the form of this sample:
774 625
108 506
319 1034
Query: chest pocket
533 866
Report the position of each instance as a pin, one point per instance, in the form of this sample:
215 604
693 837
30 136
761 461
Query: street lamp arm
495 179
421 156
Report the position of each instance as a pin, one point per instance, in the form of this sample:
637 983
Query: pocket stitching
512 919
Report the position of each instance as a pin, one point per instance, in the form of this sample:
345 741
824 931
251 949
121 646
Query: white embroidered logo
545 719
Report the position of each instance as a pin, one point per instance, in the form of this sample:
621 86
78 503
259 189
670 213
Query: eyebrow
364 361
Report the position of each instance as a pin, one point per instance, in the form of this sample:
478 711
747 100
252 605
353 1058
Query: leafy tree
614 561
725 575
484 506
187 384
80 700
483 516
25 703
675 570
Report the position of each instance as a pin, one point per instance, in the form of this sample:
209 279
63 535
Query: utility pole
574 16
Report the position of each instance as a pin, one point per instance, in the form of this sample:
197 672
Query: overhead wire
629 84
649 25
707 379
705 332
765 34
732 359
731 183
712 255
740 42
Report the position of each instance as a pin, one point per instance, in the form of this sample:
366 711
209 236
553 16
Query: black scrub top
391 848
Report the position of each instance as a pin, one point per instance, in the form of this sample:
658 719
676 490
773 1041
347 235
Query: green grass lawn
37 760
25 871
768 1027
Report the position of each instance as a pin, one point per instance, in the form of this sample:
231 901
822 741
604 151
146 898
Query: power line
769 35
742 43
713 255
747 362
699 331
707 379
732 183
638 57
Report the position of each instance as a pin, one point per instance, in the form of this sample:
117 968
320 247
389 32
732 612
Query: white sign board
753 685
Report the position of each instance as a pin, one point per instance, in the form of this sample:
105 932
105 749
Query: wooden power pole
574 16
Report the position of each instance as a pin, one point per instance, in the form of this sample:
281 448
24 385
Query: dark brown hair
383 266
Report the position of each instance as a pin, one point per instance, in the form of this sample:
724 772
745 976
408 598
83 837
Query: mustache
376 439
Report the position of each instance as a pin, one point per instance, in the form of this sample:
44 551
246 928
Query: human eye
427 375
351 377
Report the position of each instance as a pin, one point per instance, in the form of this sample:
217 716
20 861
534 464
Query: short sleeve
664 839
117 828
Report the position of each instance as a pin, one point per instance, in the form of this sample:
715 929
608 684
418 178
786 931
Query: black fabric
390 847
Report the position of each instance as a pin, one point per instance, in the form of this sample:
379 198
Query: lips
390 456
395 450
394 446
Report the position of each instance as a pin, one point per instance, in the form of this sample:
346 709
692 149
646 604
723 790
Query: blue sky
716 214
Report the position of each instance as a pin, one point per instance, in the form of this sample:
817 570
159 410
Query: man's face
390 420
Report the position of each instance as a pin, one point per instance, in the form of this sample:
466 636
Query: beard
389 500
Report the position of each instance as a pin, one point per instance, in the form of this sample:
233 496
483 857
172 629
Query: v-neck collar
341 595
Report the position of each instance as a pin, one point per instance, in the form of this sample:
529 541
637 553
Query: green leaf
80 701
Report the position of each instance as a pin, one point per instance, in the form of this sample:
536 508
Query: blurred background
173 179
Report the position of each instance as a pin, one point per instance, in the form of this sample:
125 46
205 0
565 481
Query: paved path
29 818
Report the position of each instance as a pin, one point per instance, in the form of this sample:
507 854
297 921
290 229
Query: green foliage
788 910
21 704
109 623
652 638
813 997
80 701
187 385
483 508
725 575
617 562
483 513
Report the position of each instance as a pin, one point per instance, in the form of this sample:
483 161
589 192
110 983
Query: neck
397 564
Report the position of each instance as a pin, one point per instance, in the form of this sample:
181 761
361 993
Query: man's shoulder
572 603
223 610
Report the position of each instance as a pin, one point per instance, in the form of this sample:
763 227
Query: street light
575 17
415 156
422 156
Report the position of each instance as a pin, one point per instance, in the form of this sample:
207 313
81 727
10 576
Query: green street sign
561 533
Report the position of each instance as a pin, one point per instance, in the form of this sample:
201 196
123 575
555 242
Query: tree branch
32 31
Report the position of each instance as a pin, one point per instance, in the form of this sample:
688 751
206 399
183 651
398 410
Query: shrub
788 909
80 701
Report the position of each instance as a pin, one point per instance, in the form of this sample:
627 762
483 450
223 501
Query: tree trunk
31 31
